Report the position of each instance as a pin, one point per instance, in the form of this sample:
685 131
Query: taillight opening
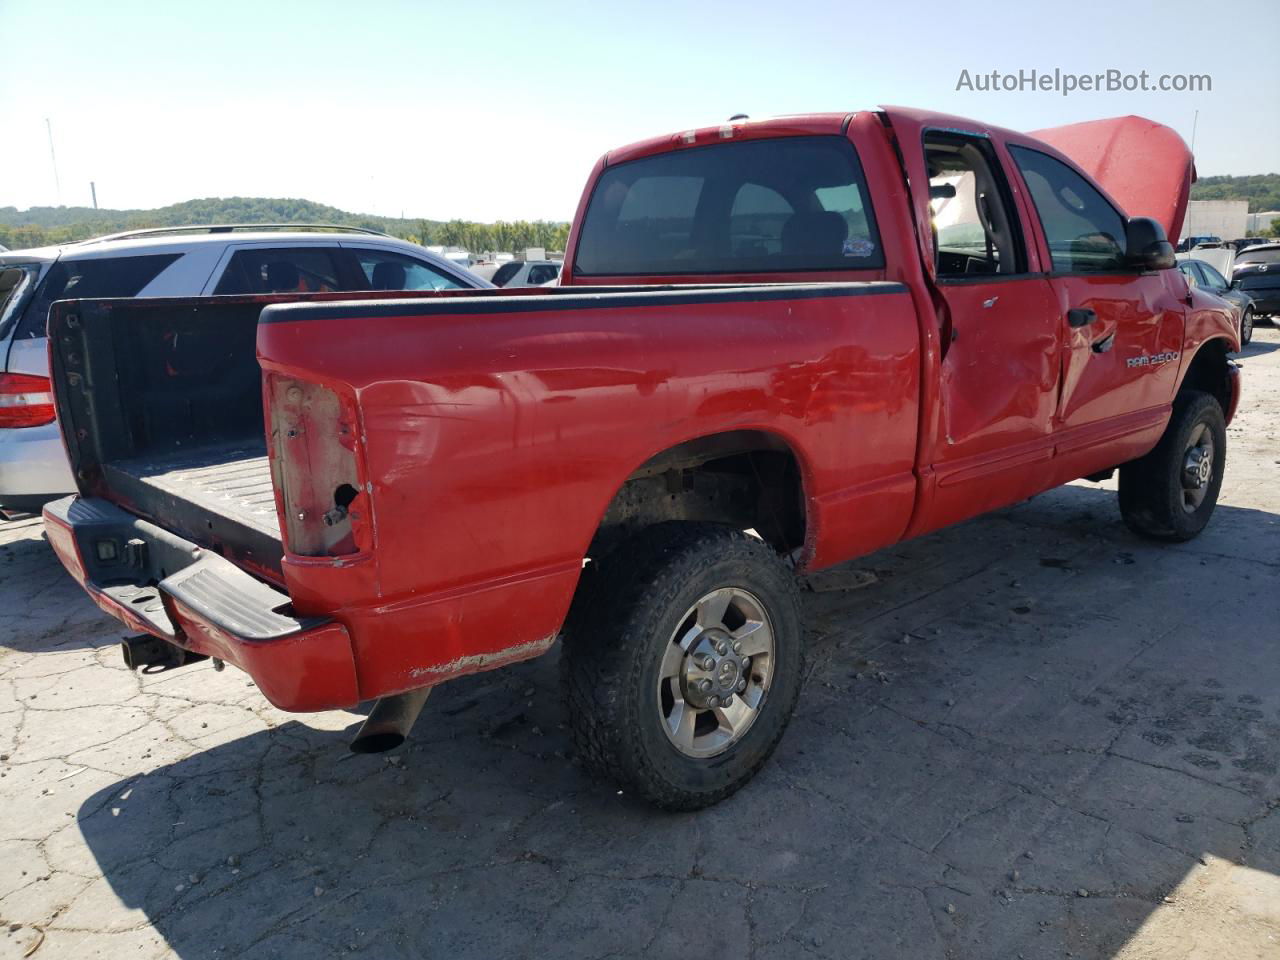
313 463
25 400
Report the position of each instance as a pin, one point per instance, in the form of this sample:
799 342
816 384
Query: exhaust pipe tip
389 722
377 742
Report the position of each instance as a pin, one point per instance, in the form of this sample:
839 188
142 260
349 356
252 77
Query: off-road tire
1151 491
614 640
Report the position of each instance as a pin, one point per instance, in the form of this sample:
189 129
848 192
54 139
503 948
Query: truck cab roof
1144 166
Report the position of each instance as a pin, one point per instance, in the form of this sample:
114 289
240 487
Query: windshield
755 206
16 284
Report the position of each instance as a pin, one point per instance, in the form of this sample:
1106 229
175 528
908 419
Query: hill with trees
1262 190
41 226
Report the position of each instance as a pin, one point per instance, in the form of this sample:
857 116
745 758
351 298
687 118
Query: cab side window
975 227
1085 233
384 270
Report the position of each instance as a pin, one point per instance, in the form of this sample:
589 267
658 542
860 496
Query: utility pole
1194 121
54 158
93 189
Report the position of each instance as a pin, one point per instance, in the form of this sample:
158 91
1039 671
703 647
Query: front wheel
1246 327
1170 493
684 663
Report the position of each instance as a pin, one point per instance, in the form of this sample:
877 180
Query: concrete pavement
1032 735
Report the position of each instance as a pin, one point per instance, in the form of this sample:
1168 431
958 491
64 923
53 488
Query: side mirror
1146 246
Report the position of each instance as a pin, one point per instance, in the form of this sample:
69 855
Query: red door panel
1122 329
999 378
1127 359
999 392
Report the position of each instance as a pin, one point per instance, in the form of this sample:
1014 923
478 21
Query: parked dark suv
1257 273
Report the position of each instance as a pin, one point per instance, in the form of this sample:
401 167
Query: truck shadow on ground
1257 348
1018 737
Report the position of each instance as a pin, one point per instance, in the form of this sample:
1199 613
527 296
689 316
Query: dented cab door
993 436
1122 328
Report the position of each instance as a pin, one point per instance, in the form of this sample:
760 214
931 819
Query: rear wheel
683 664
1170 493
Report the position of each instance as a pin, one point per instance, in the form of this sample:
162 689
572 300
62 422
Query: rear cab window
90 279
782 205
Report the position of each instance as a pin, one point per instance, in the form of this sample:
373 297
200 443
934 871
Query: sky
498 110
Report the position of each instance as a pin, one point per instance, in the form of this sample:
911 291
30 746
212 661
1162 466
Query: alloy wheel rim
715 673
1197 468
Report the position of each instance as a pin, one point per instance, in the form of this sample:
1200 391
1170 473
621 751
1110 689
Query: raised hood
1145 166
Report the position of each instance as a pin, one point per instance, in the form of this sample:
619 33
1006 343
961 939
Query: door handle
1081 316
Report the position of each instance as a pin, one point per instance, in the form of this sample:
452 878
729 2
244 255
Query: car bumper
33 467
1233 378
1267 302
160 584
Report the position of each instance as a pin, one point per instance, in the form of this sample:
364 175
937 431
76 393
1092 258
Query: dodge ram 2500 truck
777 346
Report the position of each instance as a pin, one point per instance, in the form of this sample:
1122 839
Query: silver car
173 262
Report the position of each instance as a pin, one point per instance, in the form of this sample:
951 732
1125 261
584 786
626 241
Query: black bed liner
161 402
233 482
212 495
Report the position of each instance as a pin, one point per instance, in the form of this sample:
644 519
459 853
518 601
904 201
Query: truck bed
166 402
161 401
162 406
233 482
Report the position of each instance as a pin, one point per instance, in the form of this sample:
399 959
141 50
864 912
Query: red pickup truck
777 345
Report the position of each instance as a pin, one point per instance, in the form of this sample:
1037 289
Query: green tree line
1262 190
43 226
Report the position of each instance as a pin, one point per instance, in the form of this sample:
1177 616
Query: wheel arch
752 478
1211 371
